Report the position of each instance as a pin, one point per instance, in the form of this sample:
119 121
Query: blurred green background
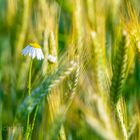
101 93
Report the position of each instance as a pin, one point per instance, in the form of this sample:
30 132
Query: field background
92 91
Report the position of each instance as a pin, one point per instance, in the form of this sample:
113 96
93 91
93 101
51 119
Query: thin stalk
27 134
122 117
33 123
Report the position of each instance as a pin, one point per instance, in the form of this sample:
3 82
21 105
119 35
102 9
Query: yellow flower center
34 45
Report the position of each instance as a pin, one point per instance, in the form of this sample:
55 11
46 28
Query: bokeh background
94 86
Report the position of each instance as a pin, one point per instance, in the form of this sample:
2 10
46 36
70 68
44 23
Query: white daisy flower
33 50
51 58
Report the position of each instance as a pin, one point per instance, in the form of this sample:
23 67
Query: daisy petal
33 52
25 50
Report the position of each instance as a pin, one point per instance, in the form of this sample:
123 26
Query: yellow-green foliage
91 91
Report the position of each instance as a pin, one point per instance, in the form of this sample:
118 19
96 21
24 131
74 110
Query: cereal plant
69 70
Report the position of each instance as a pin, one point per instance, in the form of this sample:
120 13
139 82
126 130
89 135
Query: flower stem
29 81
28 128
34 118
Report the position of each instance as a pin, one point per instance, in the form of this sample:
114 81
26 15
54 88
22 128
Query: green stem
29 92
33 123
29 81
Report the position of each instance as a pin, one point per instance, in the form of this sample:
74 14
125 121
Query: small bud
51 59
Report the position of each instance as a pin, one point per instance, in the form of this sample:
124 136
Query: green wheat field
87 87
